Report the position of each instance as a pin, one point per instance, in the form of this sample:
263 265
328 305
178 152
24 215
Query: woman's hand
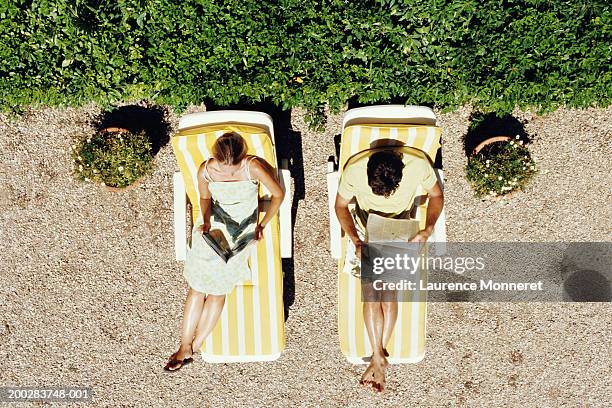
258 232
203 228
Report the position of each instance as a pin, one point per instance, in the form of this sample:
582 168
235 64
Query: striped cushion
407 343
363 137
193 146
252 321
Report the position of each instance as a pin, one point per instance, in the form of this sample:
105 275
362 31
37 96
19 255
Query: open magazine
218 242
382 229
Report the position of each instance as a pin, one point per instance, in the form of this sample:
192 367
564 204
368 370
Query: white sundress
234 211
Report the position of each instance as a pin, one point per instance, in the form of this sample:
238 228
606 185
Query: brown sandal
173 362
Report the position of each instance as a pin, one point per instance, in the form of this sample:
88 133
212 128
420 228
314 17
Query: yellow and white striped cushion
363 137
407 342
252 322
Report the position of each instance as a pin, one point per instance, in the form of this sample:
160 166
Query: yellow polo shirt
354 182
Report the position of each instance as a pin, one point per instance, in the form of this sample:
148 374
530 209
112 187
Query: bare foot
368 359
368 375
374 375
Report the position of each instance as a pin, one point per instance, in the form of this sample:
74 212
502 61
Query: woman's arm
263 172
205 200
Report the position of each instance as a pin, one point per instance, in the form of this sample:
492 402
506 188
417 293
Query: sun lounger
251 327
362 129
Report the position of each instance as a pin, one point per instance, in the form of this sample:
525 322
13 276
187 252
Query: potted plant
113 157
499 166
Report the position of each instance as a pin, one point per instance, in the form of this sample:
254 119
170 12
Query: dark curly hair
385 172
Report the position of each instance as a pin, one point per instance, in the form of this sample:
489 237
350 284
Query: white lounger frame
237 117
382 114
209 358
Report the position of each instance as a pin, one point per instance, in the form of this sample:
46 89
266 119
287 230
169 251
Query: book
382 229
218 242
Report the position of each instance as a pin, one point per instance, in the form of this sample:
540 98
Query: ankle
379 355
185 348
196 346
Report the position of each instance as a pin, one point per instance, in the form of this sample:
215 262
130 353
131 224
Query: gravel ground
91 295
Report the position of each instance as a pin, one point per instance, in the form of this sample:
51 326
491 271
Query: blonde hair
230 148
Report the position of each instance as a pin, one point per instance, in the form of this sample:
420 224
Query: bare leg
373 319
213 306
192 311
389 309
374 322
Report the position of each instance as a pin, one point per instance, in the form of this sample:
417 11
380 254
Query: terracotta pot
137 181
481 146
489 141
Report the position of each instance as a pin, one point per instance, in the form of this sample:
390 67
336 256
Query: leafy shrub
115 159
492 54
500 168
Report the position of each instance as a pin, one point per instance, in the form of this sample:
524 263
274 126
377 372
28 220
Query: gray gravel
91 295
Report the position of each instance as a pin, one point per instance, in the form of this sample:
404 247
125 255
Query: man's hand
203 228
258 232
421 236
358 244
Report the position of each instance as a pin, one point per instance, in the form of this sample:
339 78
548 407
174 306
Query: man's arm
346 220
434 209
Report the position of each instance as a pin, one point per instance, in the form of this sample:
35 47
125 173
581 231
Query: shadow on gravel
288 146
587 286
484 126
151 120
586 272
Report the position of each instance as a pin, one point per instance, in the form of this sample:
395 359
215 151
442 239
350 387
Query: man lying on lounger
392 175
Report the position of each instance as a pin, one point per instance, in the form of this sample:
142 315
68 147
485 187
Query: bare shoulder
259 166
202 167
202 170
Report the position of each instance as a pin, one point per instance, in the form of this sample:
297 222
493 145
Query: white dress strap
206 174
248 171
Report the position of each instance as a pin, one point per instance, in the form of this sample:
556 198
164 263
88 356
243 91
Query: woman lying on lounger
229 202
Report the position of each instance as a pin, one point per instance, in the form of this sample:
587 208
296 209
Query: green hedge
494 55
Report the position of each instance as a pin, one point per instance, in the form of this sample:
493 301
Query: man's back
417 171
